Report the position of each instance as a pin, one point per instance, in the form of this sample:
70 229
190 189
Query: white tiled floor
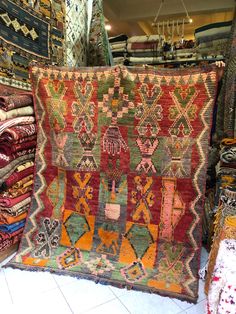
23 292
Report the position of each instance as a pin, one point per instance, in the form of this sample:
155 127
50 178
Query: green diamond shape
76 226
140 239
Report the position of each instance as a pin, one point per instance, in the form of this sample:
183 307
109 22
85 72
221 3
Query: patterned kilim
120 176
30 30
76 32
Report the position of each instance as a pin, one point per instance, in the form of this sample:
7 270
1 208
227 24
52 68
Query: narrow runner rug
120 176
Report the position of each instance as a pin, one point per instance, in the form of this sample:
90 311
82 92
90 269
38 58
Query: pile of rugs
212 39
118 46
221 274
145 49
17 152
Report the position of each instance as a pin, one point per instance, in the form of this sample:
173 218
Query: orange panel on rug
77 230
139 242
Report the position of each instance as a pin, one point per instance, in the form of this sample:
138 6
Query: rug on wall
30 30
120 176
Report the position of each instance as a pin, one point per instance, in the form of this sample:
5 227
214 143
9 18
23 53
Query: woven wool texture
30 30
120 176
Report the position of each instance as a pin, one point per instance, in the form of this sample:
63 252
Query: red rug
120 176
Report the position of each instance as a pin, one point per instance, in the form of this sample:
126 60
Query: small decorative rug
120 176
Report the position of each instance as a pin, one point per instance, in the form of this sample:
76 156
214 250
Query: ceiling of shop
135 17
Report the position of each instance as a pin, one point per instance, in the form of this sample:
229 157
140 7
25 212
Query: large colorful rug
120 176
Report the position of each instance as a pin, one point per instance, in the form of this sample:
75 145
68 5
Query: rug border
103 281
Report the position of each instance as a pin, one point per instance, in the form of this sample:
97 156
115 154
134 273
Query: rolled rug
15 101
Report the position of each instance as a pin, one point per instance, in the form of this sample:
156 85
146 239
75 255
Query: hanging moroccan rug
120 176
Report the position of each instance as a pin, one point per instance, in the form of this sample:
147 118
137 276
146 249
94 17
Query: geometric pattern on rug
76 33
120 176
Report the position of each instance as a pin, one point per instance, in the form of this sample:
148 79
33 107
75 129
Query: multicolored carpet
120 176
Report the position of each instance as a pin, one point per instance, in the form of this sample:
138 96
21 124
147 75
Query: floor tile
114 307
22 283
46 302
4 291
84 295
140 303
118 292
204 257
199 308
64 280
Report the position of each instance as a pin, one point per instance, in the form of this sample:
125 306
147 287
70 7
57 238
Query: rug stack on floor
221 272
145 49
17 150
118 46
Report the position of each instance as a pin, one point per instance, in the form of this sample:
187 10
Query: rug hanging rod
172 22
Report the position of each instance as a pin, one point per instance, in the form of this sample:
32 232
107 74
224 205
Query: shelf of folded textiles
179 61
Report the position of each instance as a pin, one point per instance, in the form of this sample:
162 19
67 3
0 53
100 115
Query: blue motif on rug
23 29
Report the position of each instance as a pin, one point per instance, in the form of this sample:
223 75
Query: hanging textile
98 53
76 32
226 115
30 30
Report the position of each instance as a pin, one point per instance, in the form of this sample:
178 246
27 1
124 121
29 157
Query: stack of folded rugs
212 39
17 151
145 49
118 46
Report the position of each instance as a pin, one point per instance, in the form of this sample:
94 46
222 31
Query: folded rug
213 31
18 112
24 182
115 46
143 46
7 219
6 171
5 160
9 202
121 37
16 210
145 38
15 121
15 192
15 101
18 132
145 60
121 167
12 227
9 149
17 176
7 240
